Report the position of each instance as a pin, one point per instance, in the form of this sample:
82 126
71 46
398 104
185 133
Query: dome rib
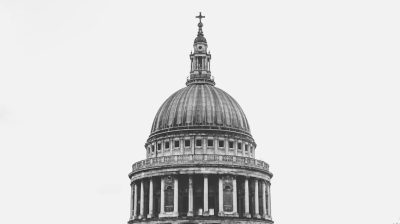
200 106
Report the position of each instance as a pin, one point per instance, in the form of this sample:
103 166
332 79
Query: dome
200 106
200 38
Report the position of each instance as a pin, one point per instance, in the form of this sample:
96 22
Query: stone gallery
200 165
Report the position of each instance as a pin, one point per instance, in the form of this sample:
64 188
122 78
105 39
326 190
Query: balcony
200 159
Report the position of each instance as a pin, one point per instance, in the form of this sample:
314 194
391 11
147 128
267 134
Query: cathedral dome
200 106
200 164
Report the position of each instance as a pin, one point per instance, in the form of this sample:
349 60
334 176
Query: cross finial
200 16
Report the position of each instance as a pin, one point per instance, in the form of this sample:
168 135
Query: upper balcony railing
200 159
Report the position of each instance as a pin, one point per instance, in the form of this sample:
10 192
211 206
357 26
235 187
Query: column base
228 214
267 217
168 214
190 214
140 217
150 215
258 216
206 213
247 215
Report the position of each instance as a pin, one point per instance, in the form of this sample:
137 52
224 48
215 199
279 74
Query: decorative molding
201 159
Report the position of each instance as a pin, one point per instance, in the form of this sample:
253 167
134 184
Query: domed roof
200 39
200 36
200 106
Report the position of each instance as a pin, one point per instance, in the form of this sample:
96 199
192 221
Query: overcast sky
81 81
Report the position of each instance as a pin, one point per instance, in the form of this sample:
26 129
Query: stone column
246 198
135 202
269 200
150 215
220 197
215 145
162 206
235 146
257 209
264 200
226 144
190 197
162 148
132 195
182 145
192 146
205 198
141 200
176 213
235 213
204 141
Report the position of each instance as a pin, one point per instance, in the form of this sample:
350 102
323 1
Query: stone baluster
264 200
246 198
150 215
256 200
176 213
220 197
190 196
205 198
141 200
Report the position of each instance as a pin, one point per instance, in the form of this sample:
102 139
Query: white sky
81 81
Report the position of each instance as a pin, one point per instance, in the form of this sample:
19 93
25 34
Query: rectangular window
245 147
159 146
221 143
198 142
187 143
210 143
152 148
167 145
231 144
176 143
240 145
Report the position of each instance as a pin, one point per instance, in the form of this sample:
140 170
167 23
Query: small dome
200 38
200 106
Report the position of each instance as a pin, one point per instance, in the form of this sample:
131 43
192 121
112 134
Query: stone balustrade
200 159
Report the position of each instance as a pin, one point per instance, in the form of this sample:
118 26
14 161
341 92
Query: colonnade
227 197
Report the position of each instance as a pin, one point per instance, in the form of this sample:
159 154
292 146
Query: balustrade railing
200 159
